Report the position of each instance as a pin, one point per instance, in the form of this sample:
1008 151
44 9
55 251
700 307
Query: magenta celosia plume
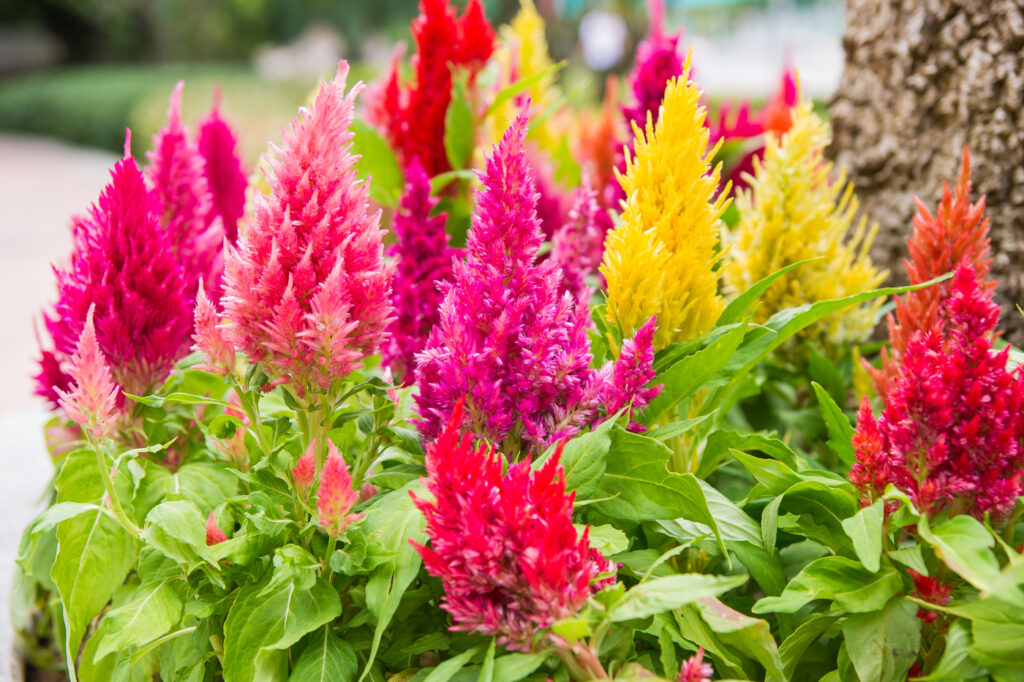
505 548
952 432
92 403
307 292
657 62
123 265
424 259
507 341
225 176
578 246
336 497
177 172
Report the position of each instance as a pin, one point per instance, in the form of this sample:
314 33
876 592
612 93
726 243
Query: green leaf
79 479
583 459
94 555
965 545
752 636
741 305
521 85
956 663
791 651
514 667
677 428
439 182
721 441
844 581
179 398
671 592
377 165
883 645
608 540
326 658
150 613
178 530
840 432
865 529
458 124
487 670
446 670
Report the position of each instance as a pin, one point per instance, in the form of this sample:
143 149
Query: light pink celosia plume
92 403
225 176
505 548
214 535
694 669
336 496
210 338
307 292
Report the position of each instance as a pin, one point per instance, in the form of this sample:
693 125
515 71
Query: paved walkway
42 184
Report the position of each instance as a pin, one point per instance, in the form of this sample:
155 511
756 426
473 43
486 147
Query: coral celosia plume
336 497
307 292
211 338
507 341
504 546
225 176
952 432
214 535
660 260
92 403
794 211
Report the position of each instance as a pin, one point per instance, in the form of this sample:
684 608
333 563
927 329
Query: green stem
1011 524
332 544
108 485
252 411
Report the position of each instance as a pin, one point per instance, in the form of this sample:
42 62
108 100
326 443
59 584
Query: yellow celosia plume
661 258
792 212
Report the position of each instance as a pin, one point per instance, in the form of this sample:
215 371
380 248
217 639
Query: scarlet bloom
931 591
92 403
952 433
336 496
504 546
694 669
214 535
307 292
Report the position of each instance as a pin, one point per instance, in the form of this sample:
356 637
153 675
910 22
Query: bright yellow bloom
661 258
792 212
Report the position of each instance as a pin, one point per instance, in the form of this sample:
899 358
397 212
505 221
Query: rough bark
922 79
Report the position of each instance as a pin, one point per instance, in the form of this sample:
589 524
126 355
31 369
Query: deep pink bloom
307 292
92 403
122 263
225 176
952 432
336 496
177 172
424 259
657 62
211 338
214 535
577 247
504 547
694 669
931 591
633 371
304 471
507 341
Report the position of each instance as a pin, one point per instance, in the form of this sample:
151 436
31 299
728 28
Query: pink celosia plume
92 403
504 546
695 669
307 292
214 535
336 497
225 176
210 338
304 471
578 246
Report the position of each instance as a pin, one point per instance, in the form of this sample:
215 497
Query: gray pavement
42 183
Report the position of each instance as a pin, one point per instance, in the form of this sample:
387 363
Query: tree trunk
922 79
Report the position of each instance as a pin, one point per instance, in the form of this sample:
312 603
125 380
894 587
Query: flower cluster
225 176
507 340
413 117
336 497
952 432
504 546
661 258
92 403
957 234
792 212
307 292
658 62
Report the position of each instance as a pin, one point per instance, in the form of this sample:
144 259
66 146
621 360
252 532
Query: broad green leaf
671 592
793 647
606 539
325 658
178 398
48 521
821 509
844 581
965 545
514 667
583 459
777 477
722 441
956 663
487 670
151 613
751 636
521 85
446 670
94 555
840 432
910 557
677 428
742 304
178 530
439 182
825 372
377 164
883 645
865 529
458 124
79 479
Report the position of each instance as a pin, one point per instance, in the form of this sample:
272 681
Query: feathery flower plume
336 496
177 172
307 293
660 260
694 669
633 371
507 341
957 234
92 403
214 535
929 590
234 447
658 61
414 116
792 212
225 176
952 432
598 144
122 266
305 470
210 338
424 258
504 547
578 245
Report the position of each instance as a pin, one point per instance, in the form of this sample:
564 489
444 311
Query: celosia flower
177 172
931 591
304 471
414 117
234 447
92 403
307 293
694 669
793 211
952 432
336 497
578 246
210 338
598 145
633 371
424 258
225 177
957 234
504 547
660 260
214 535
122 264
657 62
506 338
